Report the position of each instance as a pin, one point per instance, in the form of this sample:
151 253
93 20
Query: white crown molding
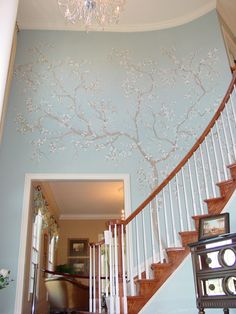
89 217
129 27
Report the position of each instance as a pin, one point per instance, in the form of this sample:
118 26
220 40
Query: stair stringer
177 294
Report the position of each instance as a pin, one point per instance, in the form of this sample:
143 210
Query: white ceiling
138 15
87 199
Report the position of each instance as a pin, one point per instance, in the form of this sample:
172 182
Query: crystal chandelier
92 12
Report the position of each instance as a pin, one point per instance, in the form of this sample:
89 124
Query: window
36 239
51 249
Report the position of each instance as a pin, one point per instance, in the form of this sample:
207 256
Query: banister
101 242
56 273
189 154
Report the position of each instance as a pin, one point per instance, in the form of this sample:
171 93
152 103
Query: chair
66 295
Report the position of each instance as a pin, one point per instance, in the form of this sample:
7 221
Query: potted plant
4 278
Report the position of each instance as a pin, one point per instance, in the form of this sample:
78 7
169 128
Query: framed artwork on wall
77 247
80 266
213 226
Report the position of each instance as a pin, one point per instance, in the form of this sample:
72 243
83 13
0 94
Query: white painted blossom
149 126
4 272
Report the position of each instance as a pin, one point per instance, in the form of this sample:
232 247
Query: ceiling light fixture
92 12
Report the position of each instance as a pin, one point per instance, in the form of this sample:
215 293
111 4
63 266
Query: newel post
117 228
95 304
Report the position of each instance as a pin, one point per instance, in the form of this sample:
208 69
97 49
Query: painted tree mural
67 105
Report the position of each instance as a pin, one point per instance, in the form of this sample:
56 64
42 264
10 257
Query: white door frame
29 179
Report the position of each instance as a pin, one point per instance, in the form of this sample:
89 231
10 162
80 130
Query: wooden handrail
189 154
69 275
97 243
64 274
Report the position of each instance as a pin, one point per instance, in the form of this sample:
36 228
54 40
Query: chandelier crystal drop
92 12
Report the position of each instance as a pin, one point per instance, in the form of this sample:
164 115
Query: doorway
67 184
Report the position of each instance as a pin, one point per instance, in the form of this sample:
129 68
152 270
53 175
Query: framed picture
77 247
79 265
212 226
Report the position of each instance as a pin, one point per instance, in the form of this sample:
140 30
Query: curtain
40 205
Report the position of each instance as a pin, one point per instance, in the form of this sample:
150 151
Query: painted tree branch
73 111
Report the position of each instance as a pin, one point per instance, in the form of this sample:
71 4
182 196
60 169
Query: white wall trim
22 248
8 13
129 27
29 179
89 217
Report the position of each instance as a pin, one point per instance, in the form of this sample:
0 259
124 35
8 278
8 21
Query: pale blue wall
161 67
168 301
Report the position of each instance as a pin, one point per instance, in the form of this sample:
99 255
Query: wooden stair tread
214 199
188 232
225 182
232 169
146 280
188 237
161 265
136 297
175 249
197 217
227 187
231 165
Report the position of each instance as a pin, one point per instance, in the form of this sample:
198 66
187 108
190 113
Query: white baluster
192 190
90 280
138 250
204 172
125 309
99 280
216 156
145 246
111 272
117 296
186 199
129 245
165 218
172 215
226 138
221 150
102 269
152 234
179 203
159 232
210 168
106 268
232 105
198 184
94 279
231 131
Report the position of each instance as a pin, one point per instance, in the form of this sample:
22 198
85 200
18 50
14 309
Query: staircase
141 252
161 271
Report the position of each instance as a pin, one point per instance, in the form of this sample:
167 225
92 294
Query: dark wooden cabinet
214 269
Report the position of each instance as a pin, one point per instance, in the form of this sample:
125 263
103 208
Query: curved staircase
161 271
146 248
